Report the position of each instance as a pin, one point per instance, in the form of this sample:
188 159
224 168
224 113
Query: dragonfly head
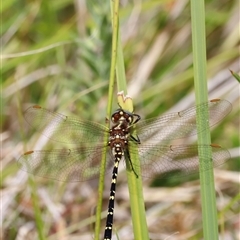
122 116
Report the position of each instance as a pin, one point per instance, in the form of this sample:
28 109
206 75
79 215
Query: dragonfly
151 143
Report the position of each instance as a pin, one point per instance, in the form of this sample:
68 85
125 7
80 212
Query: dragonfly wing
181 124
61 128
71 165
159 160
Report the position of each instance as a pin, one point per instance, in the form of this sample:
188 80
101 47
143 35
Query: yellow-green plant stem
37 212
109 110
228 206
134 183
209 211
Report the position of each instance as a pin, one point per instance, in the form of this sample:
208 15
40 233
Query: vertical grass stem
208 198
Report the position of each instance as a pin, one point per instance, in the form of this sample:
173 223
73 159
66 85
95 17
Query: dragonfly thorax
120 132
118 136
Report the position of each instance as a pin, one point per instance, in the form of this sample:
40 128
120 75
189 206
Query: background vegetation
57 54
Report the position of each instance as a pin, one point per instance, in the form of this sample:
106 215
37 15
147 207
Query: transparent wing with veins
72 165
181 124
82 163
61 128
162 159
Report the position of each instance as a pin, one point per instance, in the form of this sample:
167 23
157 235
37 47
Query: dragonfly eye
117 116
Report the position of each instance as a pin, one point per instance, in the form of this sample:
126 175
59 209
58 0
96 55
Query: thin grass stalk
37 211
109 110
134 184
224 211
139 221
208 198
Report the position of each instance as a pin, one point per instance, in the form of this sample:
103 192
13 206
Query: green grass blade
37 211
120 69
109 110
223 212
134 184
209 211
236 76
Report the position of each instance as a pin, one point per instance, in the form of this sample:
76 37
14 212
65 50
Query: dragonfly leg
129 158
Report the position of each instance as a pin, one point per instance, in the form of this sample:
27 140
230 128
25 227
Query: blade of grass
109 110
229 205
236 76
134 183
37 211
209 211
